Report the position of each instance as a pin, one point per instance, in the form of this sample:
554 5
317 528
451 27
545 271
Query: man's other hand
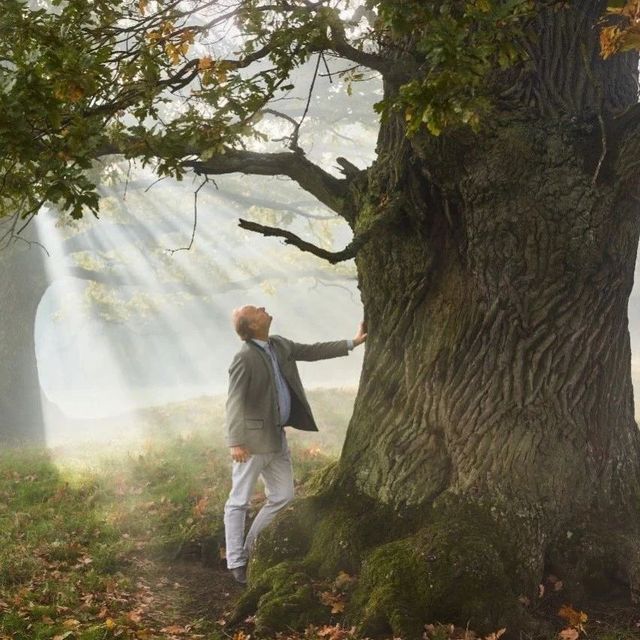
240 454
361 335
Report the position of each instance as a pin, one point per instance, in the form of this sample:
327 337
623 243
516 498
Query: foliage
173 80
624 34
458 45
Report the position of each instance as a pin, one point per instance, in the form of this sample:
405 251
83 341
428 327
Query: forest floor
126 541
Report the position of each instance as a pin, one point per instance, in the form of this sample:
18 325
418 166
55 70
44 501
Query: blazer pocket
254 424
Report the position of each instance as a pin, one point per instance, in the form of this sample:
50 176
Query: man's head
251 322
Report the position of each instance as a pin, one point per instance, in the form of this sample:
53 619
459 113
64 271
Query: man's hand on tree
240 453
360 336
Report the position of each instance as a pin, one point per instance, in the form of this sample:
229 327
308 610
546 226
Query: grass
83 533
89 540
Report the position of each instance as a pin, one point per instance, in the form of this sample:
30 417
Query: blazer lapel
264 356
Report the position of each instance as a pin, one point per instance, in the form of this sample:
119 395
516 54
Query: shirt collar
261 343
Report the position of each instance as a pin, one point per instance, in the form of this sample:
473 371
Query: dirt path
181 599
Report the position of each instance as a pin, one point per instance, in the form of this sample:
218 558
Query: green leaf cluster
456 46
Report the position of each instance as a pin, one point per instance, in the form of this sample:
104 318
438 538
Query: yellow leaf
142 6
71 623
109 623
205 63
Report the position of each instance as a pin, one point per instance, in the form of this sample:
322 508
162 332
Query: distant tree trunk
22 284
493 438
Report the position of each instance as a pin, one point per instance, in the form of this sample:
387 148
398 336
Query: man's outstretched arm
326 350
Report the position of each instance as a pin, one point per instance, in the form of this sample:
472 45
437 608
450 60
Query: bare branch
333 257
341 45
195 219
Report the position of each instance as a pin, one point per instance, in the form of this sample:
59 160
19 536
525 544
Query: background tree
495 235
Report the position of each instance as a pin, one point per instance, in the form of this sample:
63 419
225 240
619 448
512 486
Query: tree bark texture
493 438
23 282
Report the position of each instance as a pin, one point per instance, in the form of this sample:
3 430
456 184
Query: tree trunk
22 283
493 437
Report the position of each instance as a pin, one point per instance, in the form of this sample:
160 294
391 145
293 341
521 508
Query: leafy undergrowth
131 546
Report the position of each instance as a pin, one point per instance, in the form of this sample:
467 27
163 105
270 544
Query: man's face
259 320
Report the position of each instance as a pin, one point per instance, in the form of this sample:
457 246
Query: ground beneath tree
181 598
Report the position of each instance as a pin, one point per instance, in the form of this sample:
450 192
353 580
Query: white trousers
275 471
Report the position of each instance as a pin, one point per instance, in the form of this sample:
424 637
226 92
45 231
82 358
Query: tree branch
347 253
331 191
341 45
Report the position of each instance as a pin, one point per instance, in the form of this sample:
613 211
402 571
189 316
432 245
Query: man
265 395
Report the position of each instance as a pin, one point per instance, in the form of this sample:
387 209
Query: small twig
29 217
326 66
195 218
31 242
341 72
155 182
337 286
279 114
313 82
332 257
126 184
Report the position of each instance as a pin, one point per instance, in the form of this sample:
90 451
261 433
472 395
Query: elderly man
265 395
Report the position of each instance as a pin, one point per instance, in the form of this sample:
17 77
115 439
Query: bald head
251 322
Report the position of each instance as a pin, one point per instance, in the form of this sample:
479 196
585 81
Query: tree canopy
185 84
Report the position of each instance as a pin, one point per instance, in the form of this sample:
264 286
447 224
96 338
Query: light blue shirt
282 388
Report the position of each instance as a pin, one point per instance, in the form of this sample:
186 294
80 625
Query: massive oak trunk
22 284
493 437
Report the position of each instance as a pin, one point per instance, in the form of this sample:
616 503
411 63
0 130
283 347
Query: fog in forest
131 318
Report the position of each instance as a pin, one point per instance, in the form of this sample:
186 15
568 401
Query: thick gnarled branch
331 191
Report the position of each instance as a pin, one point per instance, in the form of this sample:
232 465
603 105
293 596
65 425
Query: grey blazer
252 405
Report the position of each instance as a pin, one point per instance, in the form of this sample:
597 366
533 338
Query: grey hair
241 324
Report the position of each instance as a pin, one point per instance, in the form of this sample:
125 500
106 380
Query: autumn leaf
134 616
569 634
175 629
574 618
343 580
201 507
496 634
335 601
205 63
71 623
